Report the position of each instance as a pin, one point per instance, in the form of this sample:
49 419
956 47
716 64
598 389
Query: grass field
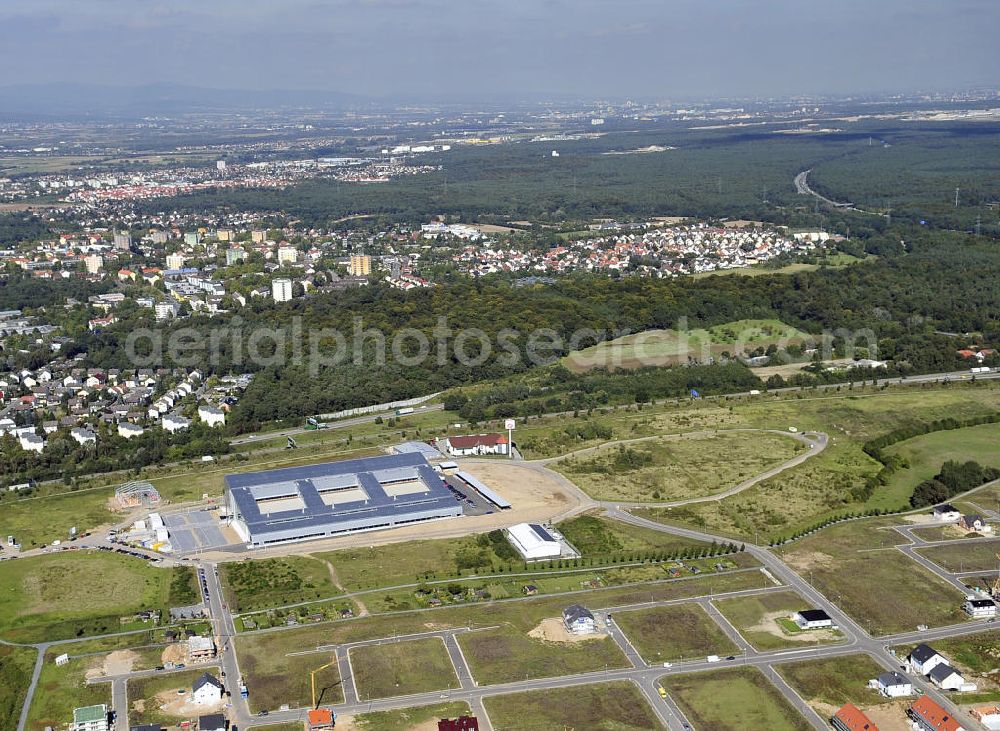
251 585
76 593
142 704
679 632
61 689
615 706
16 664
272 675
406 719
821 486
756 618
674 468
925 454
667 347
733 700
594 535
853 563
832 682
275 678
402 668
409 562
977 554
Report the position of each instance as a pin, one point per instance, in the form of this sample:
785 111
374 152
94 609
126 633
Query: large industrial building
318 501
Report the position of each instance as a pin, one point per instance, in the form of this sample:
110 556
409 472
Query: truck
312 424
404 411
980 369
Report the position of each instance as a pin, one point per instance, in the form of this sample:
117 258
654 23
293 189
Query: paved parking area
471 501
194 530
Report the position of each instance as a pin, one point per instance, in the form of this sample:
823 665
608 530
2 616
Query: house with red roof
475 444
929 716
850 718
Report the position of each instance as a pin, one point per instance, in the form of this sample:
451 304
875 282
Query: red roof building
320 719
850 718
476 444
932 717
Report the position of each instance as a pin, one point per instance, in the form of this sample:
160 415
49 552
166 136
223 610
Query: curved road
816 441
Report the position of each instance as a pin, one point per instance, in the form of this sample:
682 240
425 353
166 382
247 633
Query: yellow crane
312 678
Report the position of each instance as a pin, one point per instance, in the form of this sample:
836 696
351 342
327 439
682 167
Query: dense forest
913 168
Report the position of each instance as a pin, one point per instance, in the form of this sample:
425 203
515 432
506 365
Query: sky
657 49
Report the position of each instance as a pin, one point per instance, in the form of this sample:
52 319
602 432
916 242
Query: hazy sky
649 48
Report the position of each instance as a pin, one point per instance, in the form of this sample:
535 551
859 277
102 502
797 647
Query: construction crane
312 679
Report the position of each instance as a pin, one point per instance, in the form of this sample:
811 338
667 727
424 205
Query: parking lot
472 502
195 530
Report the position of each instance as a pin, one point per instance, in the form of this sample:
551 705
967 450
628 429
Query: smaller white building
31 443
812 619
207 690
174 423
892 685
212 415
579 620
281 290
946 677
980 608
946 513
83 436
128 430
533 541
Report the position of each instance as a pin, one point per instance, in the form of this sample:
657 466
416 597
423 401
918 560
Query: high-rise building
94 263
258 237
360 265
220 165
235 254
175 261
159 237
281 290
123 242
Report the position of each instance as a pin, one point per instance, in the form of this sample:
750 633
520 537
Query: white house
129 430
892 685
31 443
207 690
923 658
533 541
475 444
946 677
579 620
812 619
90 718
212 415
83 436
174 423
980 608
946 513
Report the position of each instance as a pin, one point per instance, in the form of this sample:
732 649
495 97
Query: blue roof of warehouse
307 472
299 481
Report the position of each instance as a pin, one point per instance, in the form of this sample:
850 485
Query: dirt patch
553 630
805 560
120 662
769 625
174 653
922 519
173 703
